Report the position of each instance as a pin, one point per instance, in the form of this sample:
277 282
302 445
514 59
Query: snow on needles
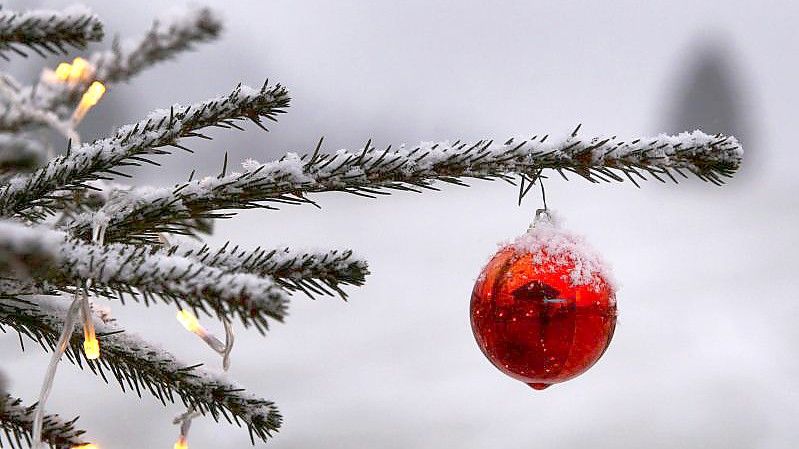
145 366
160 128
372 169
118 267
77 23
170 34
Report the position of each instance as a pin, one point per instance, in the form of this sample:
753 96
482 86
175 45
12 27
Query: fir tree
70 232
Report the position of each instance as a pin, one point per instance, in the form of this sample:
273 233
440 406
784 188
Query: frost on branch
141 367
371 171
139 272
312 272
131 144
48 31
168 36
20 153
16 424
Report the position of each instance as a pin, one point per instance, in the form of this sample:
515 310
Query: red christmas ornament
543 310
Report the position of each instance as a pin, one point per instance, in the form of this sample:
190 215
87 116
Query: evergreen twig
140 367
133 144
167 37
137 272
46 32
372 171
16 424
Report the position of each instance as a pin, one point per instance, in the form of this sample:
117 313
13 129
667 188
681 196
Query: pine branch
370 172
132 144
140 273
312 272
15 119
167 37
20 153
20 113
48 31
16 423
138 366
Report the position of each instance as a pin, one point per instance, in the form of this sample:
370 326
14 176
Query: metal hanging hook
525 189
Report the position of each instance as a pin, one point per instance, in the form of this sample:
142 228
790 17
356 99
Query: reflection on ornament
543 310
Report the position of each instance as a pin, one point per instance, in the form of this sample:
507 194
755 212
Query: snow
422 165
548 241
53 21
175 31
159 128
298 262
15 150
208 386
22 416
122 264
117 264
17 238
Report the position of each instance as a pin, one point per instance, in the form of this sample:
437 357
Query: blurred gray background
705 354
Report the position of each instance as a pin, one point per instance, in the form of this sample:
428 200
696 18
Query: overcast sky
705 353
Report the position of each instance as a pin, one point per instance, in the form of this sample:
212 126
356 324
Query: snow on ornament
543 310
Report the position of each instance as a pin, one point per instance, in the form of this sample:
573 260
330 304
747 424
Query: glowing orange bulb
86 446
190 322
89 99
62 71
79 70
93 94
91 347
181 443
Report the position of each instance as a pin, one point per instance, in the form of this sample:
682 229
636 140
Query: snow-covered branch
131 144
16 423
20 153
312 272
139 366
168 36
371 171
16 117
139 272
48 31
19 113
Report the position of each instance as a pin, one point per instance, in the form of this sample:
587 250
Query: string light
91 347
192 324
89 99
47 385
79 70
184 420
62 71
86 446
181 443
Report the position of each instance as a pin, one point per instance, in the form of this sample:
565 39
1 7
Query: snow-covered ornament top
547 240
543 310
